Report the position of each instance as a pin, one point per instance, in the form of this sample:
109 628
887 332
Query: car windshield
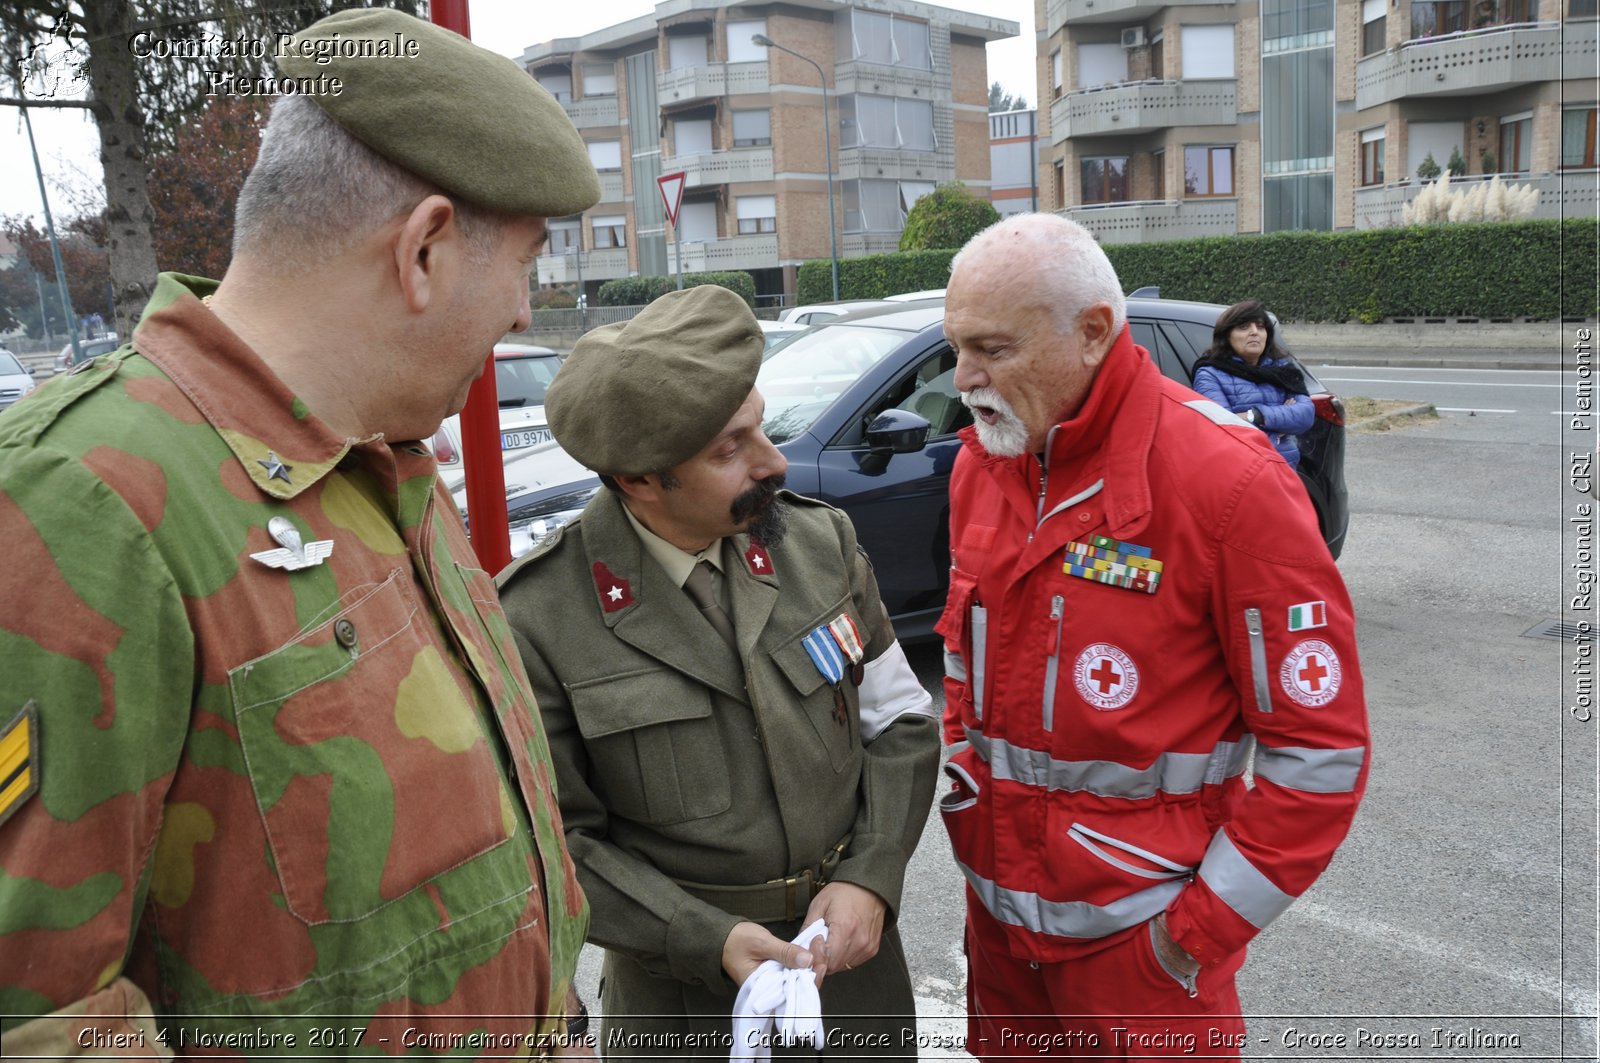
9 366
522 381
803 377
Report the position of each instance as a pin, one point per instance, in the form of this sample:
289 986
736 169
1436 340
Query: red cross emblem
1311 674
1105 676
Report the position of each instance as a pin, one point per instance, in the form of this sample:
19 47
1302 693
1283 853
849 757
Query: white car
778 331
521 375
15 379
915 297
812 313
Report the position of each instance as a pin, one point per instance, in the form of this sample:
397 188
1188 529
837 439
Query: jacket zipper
1053 663
1258 659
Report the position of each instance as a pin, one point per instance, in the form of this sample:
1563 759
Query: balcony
733 252
857 245
592 113
611 186
605 265
710 81
890 164
1476 62
1568 194
1060 13
1143 106
722 167
1154 220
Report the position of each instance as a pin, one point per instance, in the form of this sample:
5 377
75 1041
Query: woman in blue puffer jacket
1245 371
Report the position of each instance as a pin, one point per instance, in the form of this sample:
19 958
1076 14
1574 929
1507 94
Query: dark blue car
865 409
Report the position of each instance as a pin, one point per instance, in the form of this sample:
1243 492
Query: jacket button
345 633
1084 517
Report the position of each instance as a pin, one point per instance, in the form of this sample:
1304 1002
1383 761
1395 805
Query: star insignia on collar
758 559
615 594
614 591
276 470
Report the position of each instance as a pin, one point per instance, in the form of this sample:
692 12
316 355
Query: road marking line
1435 383
1573 413
1467 409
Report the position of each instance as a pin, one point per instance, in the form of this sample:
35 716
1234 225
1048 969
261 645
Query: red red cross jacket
1102 726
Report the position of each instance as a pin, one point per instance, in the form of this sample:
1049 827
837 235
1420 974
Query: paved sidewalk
1438 345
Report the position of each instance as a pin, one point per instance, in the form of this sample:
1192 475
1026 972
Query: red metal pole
480 419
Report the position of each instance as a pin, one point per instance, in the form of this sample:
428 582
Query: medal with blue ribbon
834 646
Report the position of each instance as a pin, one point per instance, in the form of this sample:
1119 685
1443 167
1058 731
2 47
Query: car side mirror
898 431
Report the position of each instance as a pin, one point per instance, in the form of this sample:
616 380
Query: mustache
757 498
764 516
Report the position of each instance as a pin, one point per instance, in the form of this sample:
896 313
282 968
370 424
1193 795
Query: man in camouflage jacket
274 783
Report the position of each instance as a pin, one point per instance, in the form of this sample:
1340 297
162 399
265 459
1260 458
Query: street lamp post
827 151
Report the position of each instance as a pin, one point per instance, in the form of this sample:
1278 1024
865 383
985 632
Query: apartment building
1013 161
688 89
1181 119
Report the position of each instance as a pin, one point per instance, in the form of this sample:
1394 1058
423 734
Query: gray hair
1070 266
317 191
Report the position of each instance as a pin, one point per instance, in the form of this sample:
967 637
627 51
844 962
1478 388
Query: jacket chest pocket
369 763
655 752
832 708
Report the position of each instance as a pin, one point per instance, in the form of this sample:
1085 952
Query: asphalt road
1464 900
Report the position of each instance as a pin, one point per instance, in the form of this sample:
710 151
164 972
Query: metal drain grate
1562 630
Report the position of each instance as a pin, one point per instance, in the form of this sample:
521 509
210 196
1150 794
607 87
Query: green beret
645 395
456 115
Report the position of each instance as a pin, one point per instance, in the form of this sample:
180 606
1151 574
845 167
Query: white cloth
778 1004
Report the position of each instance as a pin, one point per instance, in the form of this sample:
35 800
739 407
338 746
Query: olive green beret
645 395
456 115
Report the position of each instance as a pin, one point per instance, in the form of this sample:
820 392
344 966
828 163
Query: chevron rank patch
1106 560
19 760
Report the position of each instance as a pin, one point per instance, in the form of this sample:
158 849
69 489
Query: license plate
524 438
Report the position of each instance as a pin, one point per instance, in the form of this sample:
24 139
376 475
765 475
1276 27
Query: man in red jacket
1139 597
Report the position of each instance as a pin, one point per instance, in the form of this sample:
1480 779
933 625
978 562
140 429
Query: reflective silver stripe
1316 771
954 666
1215 414
1171 773
1088 492
1258 659
1228 760
1240 885
980 636
1081 834
1069 919
959 747
1052 665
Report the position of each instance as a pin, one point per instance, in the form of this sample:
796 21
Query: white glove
778 1004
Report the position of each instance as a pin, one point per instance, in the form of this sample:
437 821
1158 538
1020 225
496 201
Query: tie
699 587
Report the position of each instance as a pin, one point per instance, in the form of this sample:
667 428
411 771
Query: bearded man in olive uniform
740 745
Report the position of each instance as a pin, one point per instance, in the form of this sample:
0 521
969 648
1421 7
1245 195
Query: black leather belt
780 900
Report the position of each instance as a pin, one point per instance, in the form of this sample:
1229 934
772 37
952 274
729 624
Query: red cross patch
613 590
758 559
1311 674
1105 676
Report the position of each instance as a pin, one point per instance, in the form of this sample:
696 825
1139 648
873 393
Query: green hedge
1535 269
637 291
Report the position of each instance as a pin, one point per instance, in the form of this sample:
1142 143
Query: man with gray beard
1139 594
740 746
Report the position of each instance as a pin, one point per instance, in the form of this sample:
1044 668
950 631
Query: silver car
15 379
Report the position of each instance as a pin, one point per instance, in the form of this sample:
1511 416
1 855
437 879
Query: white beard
1008 436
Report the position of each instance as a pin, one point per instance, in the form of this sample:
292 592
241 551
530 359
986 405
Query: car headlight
532 526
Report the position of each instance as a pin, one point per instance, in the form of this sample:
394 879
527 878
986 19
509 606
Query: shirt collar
677 563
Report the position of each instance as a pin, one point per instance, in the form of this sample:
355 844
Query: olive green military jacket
287 791
677 760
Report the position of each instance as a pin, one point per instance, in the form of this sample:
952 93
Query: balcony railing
1564 194
1147 221
891 164
1073 12
713 79
722 167
733 252
1142 106
592 113
1479 61
603 265
611 186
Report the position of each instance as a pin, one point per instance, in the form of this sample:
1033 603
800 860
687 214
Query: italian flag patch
1308 615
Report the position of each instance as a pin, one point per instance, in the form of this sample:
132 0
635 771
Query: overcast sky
68 147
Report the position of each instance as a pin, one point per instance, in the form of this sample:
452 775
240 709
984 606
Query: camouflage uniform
277 802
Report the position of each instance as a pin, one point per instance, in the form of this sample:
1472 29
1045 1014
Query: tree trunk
114 91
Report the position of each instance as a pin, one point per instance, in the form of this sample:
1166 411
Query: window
1058 186
1055 74
756 214
564 236
1101 64
1577 138
610 230
1158 160
685 53
1374 26
1207 51
606 154
889 40
1516 143
1434 18
1582 9
741 47
1208 171
910 43
752 129
692 137
886 122
1372 141
599 79
910 192
914 121
697 221
1105 180
557 83
872 206
1158 55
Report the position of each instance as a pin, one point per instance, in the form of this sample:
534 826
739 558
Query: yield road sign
671 185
